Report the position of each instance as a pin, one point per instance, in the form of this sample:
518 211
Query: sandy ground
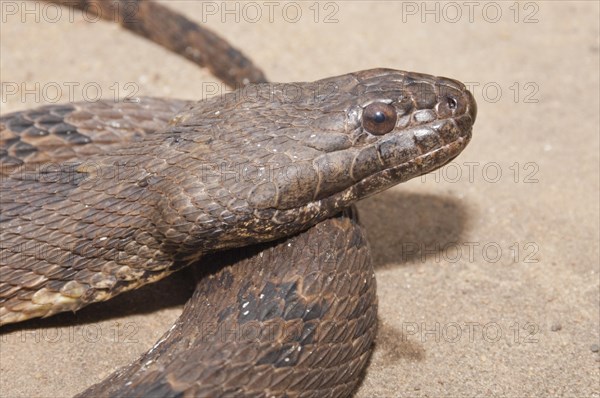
488 271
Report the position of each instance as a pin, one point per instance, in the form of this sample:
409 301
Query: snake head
285 156
389 126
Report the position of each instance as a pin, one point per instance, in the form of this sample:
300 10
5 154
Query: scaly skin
225 172
102 198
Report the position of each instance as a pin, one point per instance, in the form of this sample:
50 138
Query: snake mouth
412 168
387 178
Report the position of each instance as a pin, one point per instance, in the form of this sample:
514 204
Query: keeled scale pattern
294 319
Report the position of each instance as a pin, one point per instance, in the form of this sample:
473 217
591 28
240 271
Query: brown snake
100 198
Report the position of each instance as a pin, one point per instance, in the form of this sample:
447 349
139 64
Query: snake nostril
452 102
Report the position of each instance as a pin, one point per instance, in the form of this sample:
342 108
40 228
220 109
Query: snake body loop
294 318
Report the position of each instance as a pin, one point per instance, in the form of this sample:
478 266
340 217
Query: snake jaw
389 177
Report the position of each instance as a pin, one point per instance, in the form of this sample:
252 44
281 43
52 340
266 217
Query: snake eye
379 118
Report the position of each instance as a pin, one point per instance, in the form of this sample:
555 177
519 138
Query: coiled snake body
100 198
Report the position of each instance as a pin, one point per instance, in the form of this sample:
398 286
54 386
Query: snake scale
255 188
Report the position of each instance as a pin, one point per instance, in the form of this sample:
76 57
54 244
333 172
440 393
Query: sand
488 271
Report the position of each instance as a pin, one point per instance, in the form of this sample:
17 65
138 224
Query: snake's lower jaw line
415 167
389 177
